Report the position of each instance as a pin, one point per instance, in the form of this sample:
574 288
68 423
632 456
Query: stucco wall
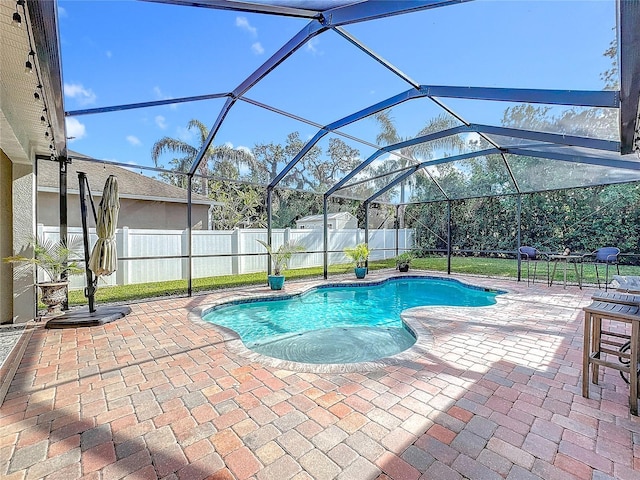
133 213
6 240
23 214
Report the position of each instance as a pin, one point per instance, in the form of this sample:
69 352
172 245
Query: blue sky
118 52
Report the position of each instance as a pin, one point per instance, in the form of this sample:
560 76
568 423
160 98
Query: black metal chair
532 255
607 256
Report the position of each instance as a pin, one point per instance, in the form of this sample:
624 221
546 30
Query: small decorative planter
52 259
361 272
403 261
53 296
279 259
359 255
276 282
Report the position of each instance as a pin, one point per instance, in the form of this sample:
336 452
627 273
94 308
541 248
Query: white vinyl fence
146 255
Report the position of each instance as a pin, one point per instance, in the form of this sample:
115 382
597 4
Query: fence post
184 250
235 251
384 243
122 274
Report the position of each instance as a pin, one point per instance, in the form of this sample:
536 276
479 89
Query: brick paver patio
158 395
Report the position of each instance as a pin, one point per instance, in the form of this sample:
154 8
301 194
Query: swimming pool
341 323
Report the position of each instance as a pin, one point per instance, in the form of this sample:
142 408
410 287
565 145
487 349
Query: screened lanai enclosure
442 127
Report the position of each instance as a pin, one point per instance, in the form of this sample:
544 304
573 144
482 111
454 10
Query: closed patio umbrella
104 256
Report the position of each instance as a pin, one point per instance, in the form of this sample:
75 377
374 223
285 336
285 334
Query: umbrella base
85 318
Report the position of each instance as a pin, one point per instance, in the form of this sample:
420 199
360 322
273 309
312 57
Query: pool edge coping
424 335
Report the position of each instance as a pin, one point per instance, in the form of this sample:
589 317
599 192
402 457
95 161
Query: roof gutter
43 18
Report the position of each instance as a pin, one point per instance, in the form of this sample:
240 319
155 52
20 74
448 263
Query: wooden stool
595 345
624 298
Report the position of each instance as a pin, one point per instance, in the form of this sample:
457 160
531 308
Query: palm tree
389 135
226 160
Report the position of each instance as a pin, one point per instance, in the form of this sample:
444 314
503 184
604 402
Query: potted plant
359 255
403 261
53 259
279 259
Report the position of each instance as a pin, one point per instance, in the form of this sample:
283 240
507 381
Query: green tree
270 158
420 152
238 205
326 173
220 160
416 153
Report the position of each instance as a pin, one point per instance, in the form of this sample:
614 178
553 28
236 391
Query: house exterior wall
133 213
22 209
6 239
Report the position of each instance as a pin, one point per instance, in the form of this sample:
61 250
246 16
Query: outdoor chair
605 255
532 256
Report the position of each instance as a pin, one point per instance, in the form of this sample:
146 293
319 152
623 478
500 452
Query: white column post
122 274
236 247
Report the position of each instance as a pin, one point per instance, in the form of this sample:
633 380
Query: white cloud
160 95
84 96
312 46
133 140
75 129
245 170
161 122
62 13
257 48
243 23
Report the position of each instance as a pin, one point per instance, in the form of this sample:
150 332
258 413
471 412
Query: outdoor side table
598 345
566 259
617 297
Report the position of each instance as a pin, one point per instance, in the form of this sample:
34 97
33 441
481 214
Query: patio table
566 259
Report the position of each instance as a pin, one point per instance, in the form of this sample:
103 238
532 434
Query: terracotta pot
53 296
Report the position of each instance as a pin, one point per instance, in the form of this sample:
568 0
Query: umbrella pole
91 289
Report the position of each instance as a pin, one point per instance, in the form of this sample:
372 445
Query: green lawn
471 265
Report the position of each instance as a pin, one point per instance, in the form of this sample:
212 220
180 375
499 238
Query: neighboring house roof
130 184
320 218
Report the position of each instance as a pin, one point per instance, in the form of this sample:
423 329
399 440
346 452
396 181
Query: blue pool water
341 324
